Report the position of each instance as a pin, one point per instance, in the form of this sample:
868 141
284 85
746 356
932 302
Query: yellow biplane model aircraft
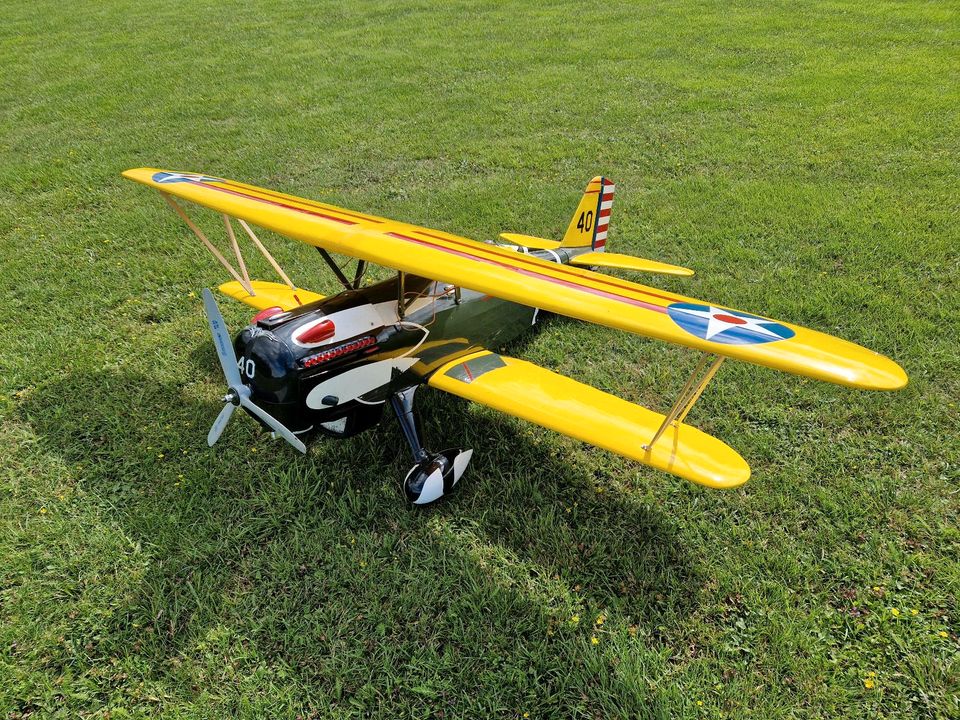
309 365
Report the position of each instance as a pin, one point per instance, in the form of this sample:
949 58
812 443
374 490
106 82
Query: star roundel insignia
729 327
166 178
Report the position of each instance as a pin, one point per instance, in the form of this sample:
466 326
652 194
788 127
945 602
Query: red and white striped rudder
590 222
607 189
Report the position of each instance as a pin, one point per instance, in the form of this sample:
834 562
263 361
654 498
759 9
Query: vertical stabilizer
588 227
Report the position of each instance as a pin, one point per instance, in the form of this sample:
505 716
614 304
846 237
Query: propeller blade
220 423
270 420
221 340
239 391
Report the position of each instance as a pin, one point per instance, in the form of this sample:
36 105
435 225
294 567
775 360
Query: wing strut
245 279
236 248
697 382
402 303
209 245
267 255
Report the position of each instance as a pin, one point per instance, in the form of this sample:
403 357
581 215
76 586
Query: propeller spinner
238 394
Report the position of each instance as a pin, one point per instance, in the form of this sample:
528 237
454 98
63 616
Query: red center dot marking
732 319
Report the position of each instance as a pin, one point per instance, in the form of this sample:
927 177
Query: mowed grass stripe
803 160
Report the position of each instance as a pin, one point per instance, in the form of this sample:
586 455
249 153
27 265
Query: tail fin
592 218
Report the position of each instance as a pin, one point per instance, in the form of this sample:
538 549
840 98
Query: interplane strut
696 384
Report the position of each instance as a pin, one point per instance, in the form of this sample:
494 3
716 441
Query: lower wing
269 294
530 392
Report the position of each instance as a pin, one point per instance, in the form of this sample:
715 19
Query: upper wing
533 393
520 278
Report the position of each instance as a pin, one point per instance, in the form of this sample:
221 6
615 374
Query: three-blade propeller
238 394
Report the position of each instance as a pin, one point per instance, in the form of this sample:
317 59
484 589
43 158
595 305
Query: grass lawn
804 158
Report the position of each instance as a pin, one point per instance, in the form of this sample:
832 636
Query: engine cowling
325 367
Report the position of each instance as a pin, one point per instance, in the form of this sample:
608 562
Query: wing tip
882 374
140 174
899 377
736 472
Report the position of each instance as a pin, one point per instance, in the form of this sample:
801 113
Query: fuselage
368 344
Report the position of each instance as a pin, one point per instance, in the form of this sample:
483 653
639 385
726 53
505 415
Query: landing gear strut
434 474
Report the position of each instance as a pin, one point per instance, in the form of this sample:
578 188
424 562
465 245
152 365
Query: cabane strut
347 284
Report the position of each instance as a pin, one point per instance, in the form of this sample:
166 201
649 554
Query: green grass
803 158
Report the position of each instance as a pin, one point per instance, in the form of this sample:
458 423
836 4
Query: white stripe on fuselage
354 383
347 324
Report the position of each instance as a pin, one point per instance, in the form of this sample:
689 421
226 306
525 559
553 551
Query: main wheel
436 476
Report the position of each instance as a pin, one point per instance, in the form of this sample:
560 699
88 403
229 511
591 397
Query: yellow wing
269 294
556 402
520 278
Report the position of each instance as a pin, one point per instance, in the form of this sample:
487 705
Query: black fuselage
387 340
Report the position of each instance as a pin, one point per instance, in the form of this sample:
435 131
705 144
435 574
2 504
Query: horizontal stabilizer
530 241
269 294
533 393
628 262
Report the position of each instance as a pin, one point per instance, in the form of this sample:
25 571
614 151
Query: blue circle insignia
166 178
730 327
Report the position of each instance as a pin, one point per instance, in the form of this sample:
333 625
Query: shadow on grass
319 562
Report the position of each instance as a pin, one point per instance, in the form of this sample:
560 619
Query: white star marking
716 325
182 177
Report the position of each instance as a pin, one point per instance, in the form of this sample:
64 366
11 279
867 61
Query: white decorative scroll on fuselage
354 383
